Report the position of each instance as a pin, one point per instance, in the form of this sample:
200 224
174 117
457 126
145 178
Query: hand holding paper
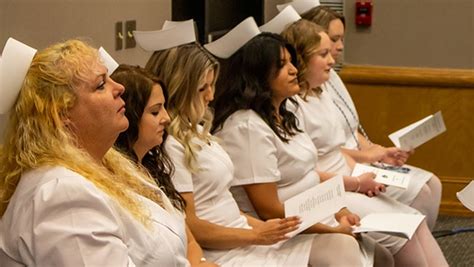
275 230
383 176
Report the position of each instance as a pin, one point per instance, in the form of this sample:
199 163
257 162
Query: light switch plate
118 34
130 26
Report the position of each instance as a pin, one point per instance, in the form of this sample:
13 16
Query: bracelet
202 259
358 184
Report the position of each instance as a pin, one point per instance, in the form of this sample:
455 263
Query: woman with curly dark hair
145 100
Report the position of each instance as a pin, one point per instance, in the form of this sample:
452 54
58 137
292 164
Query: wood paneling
389 98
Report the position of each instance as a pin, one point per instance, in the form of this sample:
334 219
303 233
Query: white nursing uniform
343 100
214 203
56 217
261 157
320 123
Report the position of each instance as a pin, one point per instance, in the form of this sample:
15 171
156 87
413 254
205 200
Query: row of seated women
134 169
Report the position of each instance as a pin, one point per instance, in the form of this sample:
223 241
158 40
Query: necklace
359 126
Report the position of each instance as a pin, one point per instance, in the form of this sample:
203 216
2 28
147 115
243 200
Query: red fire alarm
363 13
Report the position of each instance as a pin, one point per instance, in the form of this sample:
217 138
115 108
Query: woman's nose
293 70
166 117
118 88
210 94
331 60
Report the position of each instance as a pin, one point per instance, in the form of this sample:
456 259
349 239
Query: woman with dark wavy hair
136 143
145 99
274 160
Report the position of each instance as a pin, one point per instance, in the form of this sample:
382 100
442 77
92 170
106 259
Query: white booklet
466 196
317 203
398 224
382 176
419 132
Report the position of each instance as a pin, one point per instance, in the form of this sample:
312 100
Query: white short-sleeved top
260 156
320 123
214 203
341 96
210 185
56 217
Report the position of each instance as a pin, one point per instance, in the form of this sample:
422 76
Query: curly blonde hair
304 36
36 135
182 69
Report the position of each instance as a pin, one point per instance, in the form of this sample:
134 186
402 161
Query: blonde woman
204 173
67 197
424 191
316 111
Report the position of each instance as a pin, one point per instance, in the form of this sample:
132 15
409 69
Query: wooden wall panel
389 98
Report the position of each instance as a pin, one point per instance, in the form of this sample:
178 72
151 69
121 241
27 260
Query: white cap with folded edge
232 41
300 6
168 24
16 60
279 22
182 33
108 60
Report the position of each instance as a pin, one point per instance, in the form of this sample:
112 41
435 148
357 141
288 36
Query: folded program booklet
398 224
419 132
382 176
466 196
317 203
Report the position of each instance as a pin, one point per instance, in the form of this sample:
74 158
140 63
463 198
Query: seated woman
204 173
274 158
317 113
145 98
67 197
424 191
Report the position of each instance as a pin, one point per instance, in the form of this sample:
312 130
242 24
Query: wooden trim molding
450 205
407 76
390 98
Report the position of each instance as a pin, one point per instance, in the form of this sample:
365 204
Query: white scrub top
320 123
56 217
261 157
257 153
336 88
338 91
214 203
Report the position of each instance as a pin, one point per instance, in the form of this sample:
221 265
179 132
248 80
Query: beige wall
270 9
418 33
42 22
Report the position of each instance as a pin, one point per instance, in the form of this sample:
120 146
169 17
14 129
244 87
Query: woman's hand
275 230
396 156
345 214
345 227
374 153
368 186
